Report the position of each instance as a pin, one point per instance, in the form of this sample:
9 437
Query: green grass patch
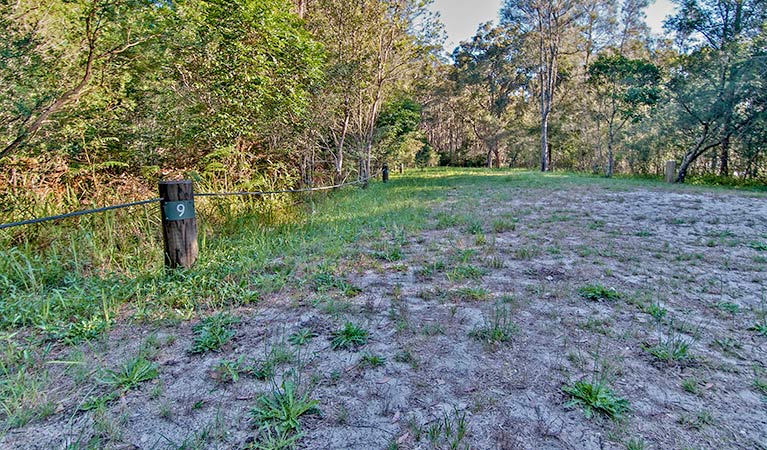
498 328
283 408
598 292
596 398
466 272
212 332
349 337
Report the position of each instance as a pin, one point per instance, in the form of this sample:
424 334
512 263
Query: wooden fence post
179 223
385 173
670 171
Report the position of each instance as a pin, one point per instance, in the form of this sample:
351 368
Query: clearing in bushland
448 309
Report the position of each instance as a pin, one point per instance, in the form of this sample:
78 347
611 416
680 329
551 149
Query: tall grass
71 277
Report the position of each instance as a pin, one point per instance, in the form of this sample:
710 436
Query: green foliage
270 438
228 371
730 307
283 408
691 385
631 83
597 292
635 444
671 347
401 139
325 281
498 329
656 311
348 337
213 332
596 397
760 327
302 336
760 380
131 375
372 361
466 272
469 293
447 431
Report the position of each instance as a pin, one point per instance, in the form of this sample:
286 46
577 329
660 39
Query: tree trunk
545 152
549 166
340 151
68 97
610 160
682 174
724 157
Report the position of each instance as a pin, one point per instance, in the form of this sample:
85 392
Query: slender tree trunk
610 160
724 157
340 150
683 168
610 154
545 142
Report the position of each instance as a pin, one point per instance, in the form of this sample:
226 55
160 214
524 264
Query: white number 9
181 209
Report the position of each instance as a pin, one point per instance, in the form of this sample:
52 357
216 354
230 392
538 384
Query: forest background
100 99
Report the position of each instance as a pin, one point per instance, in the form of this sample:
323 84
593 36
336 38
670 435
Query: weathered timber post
385 173
179 223
670 171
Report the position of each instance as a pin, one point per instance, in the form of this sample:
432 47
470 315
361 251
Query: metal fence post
179 223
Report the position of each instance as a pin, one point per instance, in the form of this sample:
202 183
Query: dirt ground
510 247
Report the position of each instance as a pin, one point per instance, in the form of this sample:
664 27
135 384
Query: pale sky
461 17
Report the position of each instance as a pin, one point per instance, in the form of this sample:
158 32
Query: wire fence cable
155 200
78 213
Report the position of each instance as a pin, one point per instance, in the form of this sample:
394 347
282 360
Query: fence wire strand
155 200
78 213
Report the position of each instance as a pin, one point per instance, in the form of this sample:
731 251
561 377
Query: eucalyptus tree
717 83
375 48
491 67
549 25
53 50
626 88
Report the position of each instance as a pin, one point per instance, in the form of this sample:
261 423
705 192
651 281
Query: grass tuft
302 337
213 332
348 337
597 292
671 348
131 375
498 329
283 408
596 397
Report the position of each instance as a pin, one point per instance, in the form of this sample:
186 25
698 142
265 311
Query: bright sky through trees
462 17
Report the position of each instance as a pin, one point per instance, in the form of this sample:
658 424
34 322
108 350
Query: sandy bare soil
499 251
